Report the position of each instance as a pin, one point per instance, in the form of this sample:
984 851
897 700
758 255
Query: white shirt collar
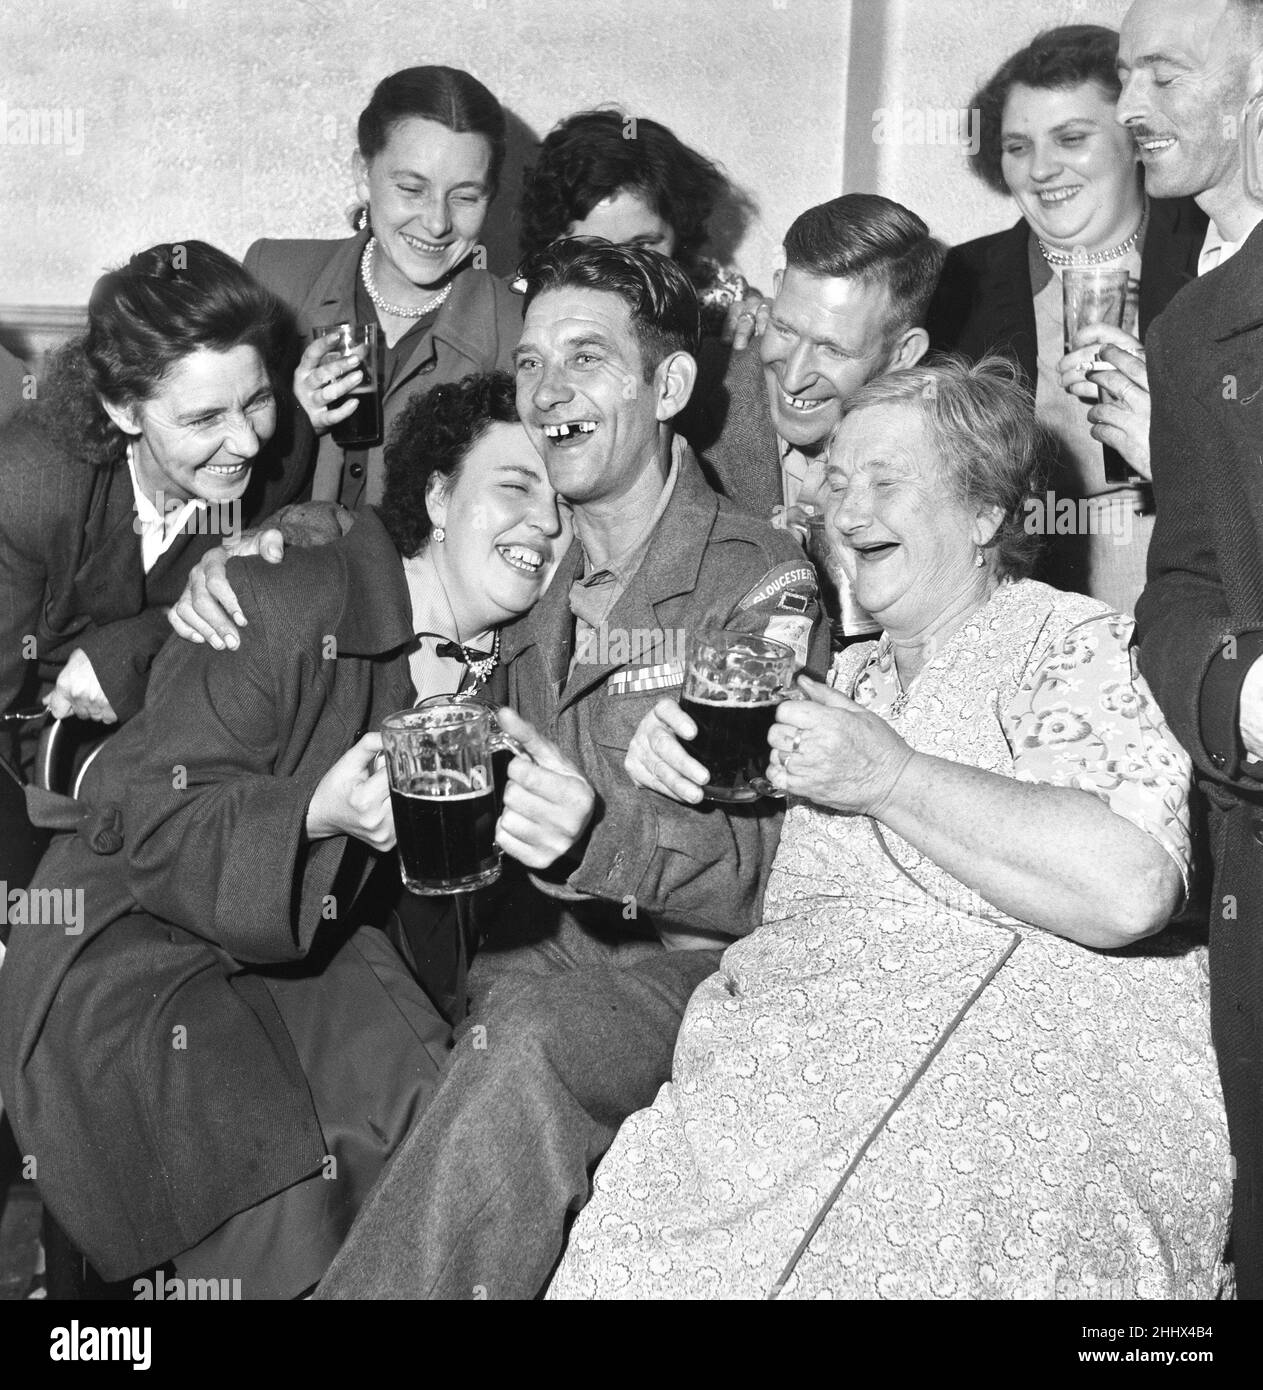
157 531
1215 250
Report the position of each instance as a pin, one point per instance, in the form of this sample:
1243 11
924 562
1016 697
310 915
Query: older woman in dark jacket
151 440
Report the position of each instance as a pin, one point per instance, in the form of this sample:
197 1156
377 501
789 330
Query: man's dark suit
1200 622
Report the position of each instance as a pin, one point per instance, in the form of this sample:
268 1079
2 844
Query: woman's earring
979 558
440 534
362 221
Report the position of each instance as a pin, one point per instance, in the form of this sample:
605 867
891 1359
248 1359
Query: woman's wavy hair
167 302
994 453
447 96
594 154
1056 59
432 437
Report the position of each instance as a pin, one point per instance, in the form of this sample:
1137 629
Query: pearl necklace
1079 256
399 311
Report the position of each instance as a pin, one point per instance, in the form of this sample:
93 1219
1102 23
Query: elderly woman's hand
322 378
835 753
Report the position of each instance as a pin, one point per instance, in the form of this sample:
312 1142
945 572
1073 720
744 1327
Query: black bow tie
455 652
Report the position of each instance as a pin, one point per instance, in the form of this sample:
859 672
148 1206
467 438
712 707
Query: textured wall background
235 120
231 119
932 55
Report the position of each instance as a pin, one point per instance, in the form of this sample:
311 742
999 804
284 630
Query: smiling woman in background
1049 138
429 150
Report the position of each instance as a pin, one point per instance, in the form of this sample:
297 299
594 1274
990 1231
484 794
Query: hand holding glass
356 346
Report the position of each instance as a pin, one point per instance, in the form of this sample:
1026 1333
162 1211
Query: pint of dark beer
732 685
357 346
443 797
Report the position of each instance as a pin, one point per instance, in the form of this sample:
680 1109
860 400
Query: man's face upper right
825 338
1184 73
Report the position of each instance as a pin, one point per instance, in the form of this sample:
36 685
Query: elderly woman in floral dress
964 1056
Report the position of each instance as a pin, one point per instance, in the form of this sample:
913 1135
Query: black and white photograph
631 664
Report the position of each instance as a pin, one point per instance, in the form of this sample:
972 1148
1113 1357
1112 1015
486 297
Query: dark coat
985 300
1205 588
476 330
70 565
144 1149
740 452
701 868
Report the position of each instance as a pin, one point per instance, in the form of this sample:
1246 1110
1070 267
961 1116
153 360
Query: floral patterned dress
994 1110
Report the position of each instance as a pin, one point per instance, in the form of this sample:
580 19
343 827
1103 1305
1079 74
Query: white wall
233 120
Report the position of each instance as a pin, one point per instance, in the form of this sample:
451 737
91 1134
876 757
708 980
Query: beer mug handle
502 740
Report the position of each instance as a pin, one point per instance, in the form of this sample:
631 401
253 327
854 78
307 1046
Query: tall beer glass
733 683
443 796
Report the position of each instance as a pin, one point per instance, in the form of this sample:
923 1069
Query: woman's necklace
480 663
398 310
1079 256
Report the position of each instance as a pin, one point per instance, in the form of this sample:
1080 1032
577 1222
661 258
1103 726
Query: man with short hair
578 992
1184 67
1191 67
849 306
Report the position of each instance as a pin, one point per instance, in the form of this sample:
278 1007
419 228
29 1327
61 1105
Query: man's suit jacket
145 1150
739 449
70 563
985 301
476 331
1200 623
700 868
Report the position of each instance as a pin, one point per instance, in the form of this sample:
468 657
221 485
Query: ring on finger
798 738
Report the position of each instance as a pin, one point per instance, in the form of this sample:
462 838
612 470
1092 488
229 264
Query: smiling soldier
577 994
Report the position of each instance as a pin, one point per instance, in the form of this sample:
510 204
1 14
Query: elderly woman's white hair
994 452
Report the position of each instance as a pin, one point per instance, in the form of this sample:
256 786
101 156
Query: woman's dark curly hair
1056 59
594 154
432 437
143 318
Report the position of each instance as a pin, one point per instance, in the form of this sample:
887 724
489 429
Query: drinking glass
357 346
733 683
442 792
